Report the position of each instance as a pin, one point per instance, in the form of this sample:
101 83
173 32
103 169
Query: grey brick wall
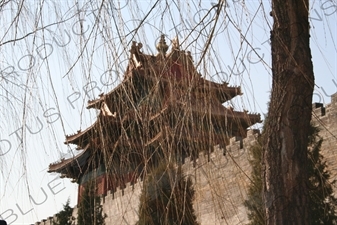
221 180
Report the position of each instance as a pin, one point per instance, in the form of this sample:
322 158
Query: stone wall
50 220
220 182
221 179
121 206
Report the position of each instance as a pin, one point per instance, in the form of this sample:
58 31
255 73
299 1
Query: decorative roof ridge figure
135 53
175 43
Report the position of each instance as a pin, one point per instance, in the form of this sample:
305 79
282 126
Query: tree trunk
285 150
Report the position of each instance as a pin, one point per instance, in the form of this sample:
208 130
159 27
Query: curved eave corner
253 118
64 166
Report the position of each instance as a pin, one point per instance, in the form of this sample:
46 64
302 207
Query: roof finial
175 43
162 46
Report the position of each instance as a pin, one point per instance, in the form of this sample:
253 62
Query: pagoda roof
166 68
177 75
71 167
220 111
82 138
217 111
222 91
118 91
77 138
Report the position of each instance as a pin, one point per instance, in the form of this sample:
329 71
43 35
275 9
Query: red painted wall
105 183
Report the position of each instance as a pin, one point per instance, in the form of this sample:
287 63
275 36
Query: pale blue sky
36 73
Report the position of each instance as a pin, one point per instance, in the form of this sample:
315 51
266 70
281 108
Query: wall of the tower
104 182
220 183
221 180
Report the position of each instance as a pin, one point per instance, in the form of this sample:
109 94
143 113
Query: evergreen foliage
256 213
64 217
90 211
167 198
322 202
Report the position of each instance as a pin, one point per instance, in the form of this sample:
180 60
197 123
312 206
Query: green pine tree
90 210
64 217
167 198
256 213
322 202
